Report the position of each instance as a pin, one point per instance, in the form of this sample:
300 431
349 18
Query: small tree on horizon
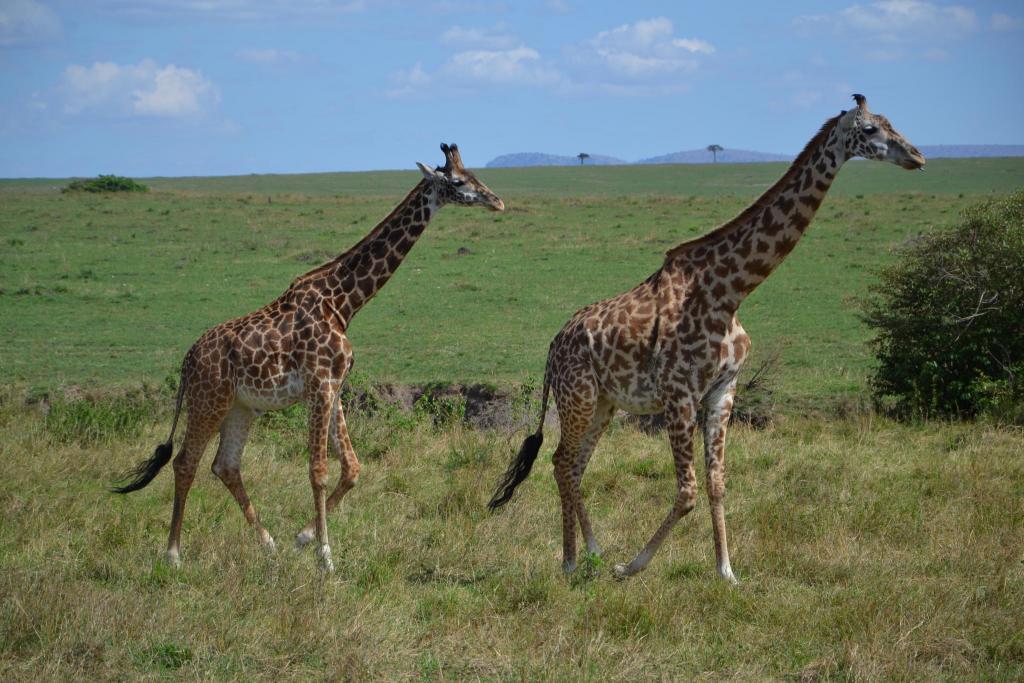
714 149
582 156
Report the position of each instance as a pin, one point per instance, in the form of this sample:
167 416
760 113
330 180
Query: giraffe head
454 184
872 136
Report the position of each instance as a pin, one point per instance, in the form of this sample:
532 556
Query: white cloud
172 92
495 39
1004 22
521 65
473 69
268 56
896 16
694 45
640 58
143 89
409 81
895 29
24 22
234 9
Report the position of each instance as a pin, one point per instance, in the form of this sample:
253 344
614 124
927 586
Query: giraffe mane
357 247
767 197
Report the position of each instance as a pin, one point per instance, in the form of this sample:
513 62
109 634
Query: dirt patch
482 406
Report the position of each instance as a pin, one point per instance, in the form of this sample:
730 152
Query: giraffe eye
870 130
458 182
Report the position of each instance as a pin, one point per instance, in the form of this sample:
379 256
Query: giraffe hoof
324 554
172 559
303 538
728 575
269 546
568 567
621 571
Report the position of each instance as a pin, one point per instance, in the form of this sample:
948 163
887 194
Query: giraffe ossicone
296 349
673 343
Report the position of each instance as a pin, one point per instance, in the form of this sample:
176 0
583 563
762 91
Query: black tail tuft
146 471
517 471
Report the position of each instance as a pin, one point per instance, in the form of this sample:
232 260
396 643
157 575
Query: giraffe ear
425 170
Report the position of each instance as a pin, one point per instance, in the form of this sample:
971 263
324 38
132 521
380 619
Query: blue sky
211 87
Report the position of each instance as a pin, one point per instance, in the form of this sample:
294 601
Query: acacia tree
582 156
714 149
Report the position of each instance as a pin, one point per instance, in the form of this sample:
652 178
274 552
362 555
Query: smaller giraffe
295 349
673 343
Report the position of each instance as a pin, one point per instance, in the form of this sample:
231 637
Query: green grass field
111 290
866 550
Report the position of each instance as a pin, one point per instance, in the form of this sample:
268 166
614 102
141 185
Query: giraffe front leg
321 405
719 408
342 445
682 421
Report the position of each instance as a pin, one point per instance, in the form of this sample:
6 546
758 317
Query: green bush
949 319
106 183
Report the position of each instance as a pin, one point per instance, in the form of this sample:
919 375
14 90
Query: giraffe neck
738 256
352 279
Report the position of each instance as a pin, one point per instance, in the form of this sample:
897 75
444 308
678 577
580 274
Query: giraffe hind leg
201 428
602 416
234 431
562 460
682 421
576 414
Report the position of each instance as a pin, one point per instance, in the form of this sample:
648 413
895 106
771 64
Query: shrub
106 183
949 316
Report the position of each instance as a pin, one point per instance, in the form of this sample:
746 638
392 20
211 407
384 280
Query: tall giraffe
293 349
673 342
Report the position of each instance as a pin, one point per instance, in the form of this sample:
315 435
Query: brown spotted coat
296 349
674 342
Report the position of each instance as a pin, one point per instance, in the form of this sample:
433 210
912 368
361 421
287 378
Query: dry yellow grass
866 550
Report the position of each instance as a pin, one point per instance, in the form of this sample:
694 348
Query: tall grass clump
91 421
948 317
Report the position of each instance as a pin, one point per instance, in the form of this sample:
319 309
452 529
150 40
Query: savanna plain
866 549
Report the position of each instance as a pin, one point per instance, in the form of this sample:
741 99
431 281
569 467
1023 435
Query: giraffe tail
143 473
519 470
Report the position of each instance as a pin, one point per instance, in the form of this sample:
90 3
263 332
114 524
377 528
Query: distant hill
726 156
736 156
540 159
962 151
